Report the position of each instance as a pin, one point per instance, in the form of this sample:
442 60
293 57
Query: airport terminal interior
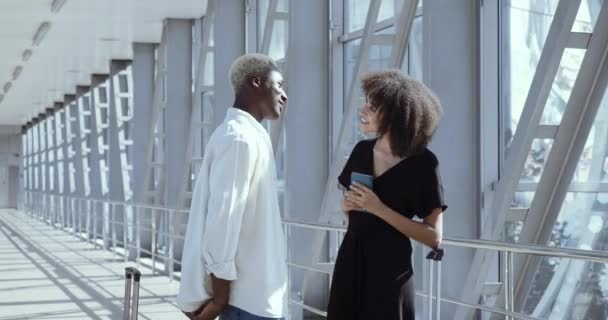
106 108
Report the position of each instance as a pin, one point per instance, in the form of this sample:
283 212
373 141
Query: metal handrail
508 249
591 256
114 202
79 224
587 255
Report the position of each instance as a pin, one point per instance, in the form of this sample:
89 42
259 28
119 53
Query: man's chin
277 113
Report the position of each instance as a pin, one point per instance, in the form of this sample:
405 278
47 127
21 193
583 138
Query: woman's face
368 118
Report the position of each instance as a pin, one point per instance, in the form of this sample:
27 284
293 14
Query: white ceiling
74 47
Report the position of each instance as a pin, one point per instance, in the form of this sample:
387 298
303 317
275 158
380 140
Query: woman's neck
383 145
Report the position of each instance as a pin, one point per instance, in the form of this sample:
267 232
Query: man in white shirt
233 263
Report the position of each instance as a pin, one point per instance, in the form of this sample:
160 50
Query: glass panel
100 144
351 53
262 13
125 107
388 8
71 174
126 131
562 86
379 57
581 224
86 103
128 157
535 162
529 179
43 139
208 77
58 126
414 52
123 84
568 289
355 14
282 5
49 133
36 138
43 172
592 167
104 116
87 122
36 184
278 41
277 50
104 176
587 16
585 206
103 95
526 27
211 34
52 177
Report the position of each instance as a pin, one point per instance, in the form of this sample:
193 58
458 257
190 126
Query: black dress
373 273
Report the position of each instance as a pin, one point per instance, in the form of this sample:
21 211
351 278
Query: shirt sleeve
432 193
193 288
230 182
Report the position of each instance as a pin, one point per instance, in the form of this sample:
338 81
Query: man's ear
256 82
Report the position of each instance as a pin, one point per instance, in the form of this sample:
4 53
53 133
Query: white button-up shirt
234 228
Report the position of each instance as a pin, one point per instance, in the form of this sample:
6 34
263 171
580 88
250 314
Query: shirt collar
236 113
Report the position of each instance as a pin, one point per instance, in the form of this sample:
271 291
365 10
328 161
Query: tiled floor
49 274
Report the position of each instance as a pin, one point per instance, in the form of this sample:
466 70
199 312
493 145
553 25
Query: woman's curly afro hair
408 111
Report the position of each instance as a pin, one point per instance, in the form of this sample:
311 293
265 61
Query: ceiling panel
84 36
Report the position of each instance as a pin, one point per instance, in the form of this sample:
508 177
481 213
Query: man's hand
215 306
211 311
193 314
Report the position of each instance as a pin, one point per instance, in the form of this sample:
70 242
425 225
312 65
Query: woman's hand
348 205
365 198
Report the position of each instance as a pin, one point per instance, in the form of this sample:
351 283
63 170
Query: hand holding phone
364 179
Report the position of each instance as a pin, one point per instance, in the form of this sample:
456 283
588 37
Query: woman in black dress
373 273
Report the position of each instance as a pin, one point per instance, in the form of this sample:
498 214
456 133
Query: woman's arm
428 232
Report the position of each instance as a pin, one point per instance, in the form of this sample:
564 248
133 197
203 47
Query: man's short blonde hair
248 66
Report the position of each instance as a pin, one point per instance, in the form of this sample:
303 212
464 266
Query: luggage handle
434 258
132 275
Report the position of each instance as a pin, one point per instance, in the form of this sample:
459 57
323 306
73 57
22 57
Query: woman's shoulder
365 145
430 157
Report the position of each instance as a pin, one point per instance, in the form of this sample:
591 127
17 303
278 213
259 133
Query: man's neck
246 106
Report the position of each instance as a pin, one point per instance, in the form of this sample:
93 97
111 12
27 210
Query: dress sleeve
344 177
230 177
432 193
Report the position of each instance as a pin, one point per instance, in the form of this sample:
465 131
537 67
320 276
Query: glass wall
273 28
562 288
379 54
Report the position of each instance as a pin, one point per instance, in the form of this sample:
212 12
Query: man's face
274 98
